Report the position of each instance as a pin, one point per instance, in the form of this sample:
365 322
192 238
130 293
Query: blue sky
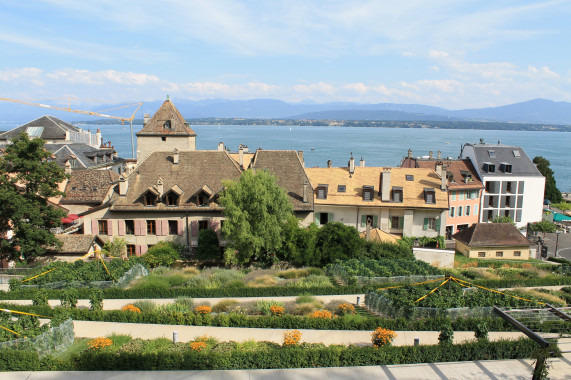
447 53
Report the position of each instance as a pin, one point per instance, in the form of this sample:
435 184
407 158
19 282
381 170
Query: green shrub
337 241
96 299
224 305
263 306
208 245
161 254
69 298
481 331
375 250
187 301
446 335
40 298
146 306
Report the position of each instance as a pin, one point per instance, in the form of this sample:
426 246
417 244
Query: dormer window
492 154
368 193
409 177
397 194
506 167
202 199
171 199
466 175
167 125
429 195
322 191
489 167
149 199
516 153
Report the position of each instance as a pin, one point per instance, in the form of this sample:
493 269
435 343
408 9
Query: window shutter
143 224
109 227
137 249
375 221
165 227
390 222
94 227
144 249
425 226
401 222
317 216
438 225
215 225
363 220
194 228
137 227
180 224
120 227
329 217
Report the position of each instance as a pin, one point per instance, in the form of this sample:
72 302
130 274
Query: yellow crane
92 113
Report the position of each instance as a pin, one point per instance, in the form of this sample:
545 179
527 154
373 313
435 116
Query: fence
136 271
340 274
55 339
380 305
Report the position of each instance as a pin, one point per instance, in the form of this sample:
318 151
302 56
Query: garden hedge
304 356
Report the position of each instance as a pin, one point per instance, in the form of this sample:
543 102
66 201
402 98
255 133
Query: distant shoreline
475 125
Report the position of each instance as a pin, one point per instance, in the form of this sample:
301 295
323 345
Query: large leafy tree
336 241
551 191
257 211
27 180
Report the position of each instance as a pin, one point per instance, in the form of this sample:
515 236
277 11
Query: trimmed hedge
304 356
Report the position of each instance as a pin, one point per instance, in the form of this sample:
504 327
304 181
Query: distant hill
541 111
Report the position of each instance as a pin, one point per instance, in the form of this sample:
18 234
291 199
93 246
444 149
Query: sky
447 53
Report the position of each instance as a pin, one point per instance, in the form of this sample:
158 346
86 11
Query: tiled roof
166 121
89 186
498 154
286 166
491 235
194 170
455 169
380 236
47 127
83 153
74 243
413 190
246 158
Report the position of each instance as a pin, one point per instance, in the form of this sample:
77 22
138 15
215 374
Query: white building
513 185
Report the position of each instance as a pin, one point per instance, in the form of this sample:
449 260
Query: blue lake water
378 146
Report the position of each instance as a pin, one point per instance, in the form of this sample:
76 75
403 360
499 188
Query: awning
69 218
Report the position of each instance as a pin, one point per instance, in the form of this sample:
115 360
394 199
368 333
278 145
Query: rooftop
166 121
491 235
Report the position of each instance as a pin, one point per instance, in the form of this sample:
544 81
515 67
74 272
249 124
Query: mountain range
537 111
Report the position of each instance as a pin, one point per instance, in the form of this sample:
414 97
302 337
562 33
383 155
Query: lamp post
557 233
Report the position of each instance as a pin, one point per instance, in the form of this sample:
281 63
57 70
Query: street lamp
557 233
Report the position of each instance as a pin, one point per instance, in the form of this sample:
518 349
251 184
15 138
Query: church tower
166 131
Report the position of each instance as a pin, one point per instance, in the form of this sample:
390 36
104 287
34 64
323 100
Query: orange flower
277 310
322 314
203 309
345 308
197 346
132 308
382 337
99 343
292 338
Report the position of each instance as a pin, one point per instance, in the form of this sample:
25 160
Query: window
130 227
322 191
429 195
517 253
202 225
131 250
432 224
508 201
173 227
509 187
459 210
151 227
491 201
167 125
481 254
202 199
492 154
488 187
102 227
473 194
149 199
452 212
467 211
490 215
508 168
368 193
341 188
499 254
491 168
171 199
461 195
409 177
163 138
452 195
397 194
516 153
323 218
395 222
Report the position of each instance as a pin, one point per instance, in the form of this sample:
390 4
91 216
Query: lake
378 146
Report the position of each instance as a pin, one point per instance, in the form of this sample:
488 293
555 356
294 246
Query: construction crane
92 113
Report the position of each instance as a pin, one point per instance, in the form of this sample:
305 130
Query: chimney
300 154
430 155
438 168
351 165
68 167
439 155
221 146
305 190
362 162
160 187
410 153
175 156
123 186
146 119
241 155
386 185
481 140
99 138
444 179
329 164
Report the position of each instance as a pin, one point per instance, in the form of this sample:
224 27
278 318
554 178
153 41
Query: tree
336 241
27 180
551 191
208 245
503 219
299 244
544 226
116 247
256 210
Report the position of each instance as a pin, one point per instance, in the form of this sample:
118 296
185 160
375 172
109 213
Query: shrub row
276 357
